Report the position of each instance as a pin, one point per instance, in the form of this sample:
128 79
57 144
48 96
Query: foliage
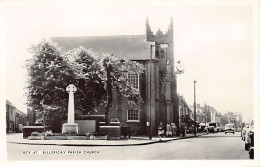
90 88
48 75
97 81
115 75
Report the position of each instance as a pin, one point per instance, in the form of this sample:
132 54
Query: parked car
243 132
229 128
248 133
251 145
218 129
212 127
203 128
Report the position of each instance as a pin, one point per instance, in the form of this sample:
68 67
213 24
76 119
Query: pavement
134 140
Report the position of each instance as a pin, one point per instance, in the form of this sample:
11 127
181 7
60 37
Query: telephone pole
195 124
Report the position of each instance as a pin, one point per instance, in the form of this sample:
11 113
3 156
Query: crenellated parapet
159 37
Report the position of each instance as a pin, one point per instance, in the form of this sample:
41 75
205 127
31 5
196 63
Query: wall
11 118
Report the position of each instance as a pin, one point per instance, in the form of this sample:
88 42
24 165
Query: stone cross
71 89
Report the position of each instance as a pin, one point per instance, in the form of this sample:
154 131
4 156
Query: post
195 124
150 93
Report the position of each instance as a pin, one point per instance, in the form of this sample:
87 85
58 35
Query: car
229 128
212 127
243 131
203 128
248 133
251 145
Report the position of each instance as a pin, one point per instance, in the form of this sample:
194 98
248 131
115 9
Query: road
216 146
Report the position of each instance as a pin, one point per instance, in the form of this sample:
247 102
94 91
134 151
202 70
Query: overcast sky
214 43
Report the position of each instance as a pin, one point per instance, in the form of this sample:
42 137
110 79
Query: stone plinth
27 130
113 132
70 128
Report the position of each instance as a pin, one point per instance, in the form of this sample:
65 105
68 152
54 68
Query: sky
213 42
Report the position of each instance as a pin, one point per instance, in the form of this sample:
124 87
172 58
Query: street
216 146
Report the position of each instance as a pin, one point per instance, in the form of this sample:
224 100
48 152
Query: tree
88 79
48 76
50 72
115 76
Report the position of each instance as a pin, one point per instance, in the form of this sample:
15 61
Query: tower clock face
179 67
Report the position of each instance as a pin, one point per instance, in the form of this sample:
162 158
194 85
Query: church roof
133 47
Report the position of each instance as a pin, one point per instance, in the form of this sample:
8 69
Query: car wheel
225 133
233 132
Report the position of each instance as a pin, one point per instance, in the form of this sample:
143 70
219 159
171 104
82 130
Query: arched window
133 79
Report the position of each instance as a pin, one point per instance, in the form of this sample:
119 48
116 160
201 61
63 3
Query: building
157 84
10 117
200 114
210 113
14 118
218 118
234 118
200 117
185 114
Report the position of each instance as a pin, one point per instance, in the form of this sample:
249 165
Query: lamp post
162 46
195 124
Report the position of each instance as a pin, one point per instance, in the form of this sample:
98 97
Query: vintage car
212 127
229 128
202 128
251 145
248 133
243 131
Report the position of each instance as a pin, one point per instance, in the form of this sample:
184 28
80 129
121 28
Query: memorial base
70 128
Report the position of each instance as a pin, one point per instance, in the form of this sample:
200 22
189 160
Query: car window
229 126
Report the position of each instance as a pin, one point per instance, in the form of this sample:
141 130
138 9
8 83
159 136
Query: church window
133 79
132 115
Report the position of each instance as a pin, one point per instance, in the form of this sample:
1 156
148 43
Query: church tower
167 110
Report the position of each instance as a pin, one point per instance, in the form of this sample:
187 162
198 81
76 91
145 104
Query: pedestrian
192 130
168 130
183 129
160 131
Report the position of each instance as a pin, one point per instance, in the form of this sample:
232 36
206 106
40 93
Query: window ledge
134 121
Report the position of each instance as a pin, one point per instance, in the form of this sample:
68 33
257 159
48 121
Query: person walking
160 131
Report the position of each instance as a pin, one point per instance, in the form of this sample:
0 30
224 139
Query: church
157 84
